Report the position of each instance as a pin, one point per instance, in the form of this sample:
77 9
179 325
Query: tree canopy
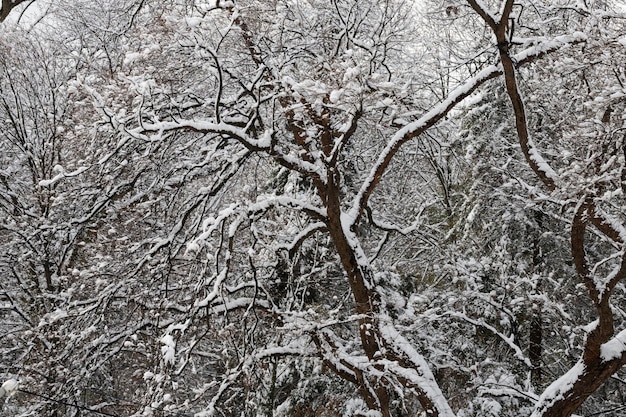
313 208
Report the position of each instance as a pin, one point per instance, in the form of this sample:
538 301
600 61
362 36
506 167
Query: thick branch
609 227
483 12
534 159
537 163
558 400
412 370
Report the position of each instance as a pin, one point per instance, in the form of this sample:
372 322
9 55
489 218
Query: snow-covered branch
430 118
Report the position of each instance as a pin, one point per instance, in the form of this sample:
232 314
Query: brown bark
366 299
535 349
361 285
520 114
500 30
596 370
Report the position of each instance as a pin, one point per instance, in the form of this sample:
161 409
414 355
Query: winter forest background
313 208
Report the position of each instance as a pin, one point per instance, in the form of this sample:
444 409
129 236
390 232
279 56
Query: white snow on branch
211 409
239 303
168 350
421 375
509 340
267 201
542 164
603 283
62 174
218 280
440 110
614 348
305 166
347 222
205 126
559 388
434 114
310 229
612 222
295 349
9 387
546 45
212 224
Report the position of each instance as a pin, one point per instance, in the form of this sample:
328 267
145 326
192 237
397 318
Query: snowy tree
228 207
316 124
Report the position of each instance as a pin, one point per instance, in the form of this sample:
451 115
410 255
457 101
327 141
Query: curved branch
483 12
7 6
607 225
533 157
416 128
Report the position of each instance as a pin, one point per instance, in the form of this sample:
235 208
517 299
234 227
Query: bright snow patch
49 318
557 390
193 21
168 349
335 95
192 248
10 387
614 348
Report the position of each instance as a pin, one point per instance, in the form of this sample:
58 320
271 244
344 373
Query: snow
306 166
473 99
200 126
192 249
413 366
351 73
243 302
509 340
546 45
168 350
611 221
420 374
482 6
193 21
131 57
61 174
266 139
542 164
295 350
347 221
51 317
335 95
558 389
440 110
614 348
308 230
430 117
490 407
10 387
265 202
